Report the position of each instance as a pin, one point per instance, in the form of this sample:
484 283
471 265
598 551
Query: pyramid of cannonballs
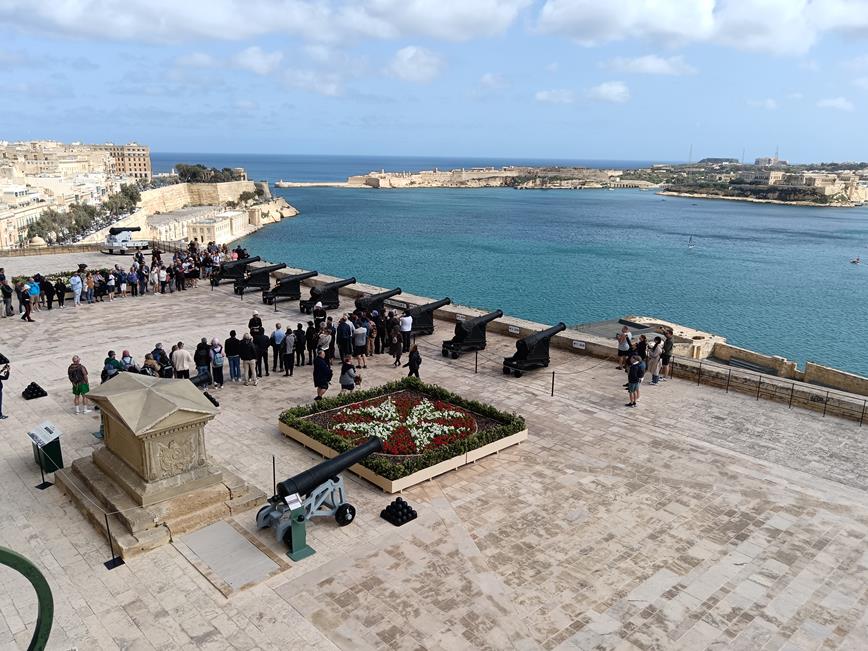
398 512
32 391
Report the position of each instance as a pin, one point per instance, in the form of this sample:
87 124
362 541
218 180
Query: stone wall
835 379
780 366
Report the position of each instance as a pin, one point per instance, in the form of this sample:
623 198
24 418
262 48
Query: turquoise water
775 279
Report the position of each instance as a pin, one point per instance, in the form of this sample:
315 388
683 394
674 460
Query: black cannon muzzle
305 482
297 278
374 300
267 270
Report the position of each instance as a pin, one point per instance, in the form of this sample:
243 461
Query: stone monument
153 476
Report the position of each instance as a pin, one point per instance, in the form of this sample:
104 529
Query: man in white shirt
405 323
182 362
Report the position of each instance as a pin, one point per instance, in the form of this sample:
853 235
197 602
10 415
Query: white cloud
328 84
415 64
615 92
861 82
651 64
768 104
837 103
257 60
556 96
493 81
196 60
857 63
245 105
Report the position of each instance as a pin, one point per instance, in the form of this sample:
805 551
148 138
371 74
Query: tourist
255 324
216 353
414 361
60 290
182 362
642 347
248 359
77 374
287 351
262 342
634 377
25 303
396 346
48 292
35 294
654 353
331 330
151 366
112 280
624 340
111 366
344 337
4 375
75 284
88 287
666 357
276 341
300 342
123 283
164 279
360 345
322 375
319 315
144 277
7 293
371 325
133 280
311 339
128 362
406 324
160 356
381 333
202 359
324 341
348 374
232 346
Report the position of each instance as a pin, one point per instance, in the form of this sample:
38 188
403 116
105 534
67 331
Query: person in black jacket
60 290
414 362
255 324
311 337
262 342
634 377
7 298
248 359
322 374
4 375
48 290
232 350
299 345
202 359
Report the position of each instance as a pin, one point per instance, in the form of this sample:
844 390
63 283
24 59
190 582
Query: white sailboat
690 243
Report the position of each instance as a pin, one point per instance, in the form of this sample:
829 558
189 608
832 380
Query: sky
580 79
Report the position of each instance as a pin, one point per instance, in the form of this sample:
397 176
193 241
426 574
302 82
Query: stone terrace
699 519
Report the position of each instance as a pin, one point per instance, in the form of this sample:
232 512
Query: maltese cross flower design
407 425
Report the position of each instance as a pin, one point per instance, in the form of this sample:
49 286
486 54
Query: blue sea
775 279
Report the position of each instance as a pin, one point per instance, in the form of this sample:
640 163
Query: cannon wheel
262 510
454 355
345 514
506 370
445 352
517 373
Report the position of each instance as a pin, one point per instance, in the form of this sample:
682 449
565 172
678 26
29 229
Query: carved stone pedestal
153 477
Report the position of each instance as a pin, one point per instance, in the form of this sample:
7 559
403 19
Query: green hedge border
509 424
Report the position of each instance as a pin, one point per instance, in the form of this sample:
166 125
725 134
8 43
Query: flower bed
425 430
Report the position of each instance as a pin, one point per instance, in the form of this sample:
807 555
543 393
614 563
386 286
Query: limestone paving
699 519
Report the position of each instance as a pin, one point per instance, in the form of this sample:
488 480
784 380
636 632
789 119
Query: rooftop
700 519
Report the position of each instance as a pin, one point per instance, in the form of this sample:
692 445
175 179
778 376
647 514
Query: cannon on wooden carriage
423 316
316 492
257 280
375 301
531 351
328 294
232 270
288 287
469 335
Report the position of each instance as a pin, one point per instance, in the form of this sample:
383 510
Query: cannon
531 351
469 335
232 270
423 316
327 294
316 492
289 287
258 279
119 239
375 301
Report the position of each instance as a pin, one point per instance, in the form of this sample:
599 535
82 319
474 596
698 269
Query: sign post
46 450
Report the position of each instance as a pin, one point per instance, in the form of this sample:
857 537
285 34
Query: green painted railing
45 617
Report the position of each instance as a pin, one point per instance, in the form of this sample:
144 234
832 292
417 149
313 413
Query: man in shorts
77 374
624 340
634 378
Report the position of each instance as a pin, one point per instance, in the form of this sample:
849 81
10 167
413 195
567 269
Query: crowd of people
638 358
184 270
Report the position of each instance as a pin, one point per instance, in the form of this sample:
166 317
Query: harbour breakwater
818 388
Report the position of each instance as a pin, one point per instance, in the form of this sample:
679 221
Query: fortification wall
835 379
781 366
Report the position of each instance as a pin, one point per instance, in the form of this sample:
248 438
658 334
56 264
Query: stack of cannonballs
398 512
32 391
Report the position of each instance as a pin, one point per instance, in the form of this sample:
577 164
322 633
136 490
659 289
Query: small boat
856 260
690 243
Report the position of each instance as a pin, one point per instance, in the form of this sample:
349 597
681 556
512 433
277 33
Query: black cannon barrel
470 324
268 269
117 230
428 307
305 482
234 264
531 341
373 299
337 284
297 277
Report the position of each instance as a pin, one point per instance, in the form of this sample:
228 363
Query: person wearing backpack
217 359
